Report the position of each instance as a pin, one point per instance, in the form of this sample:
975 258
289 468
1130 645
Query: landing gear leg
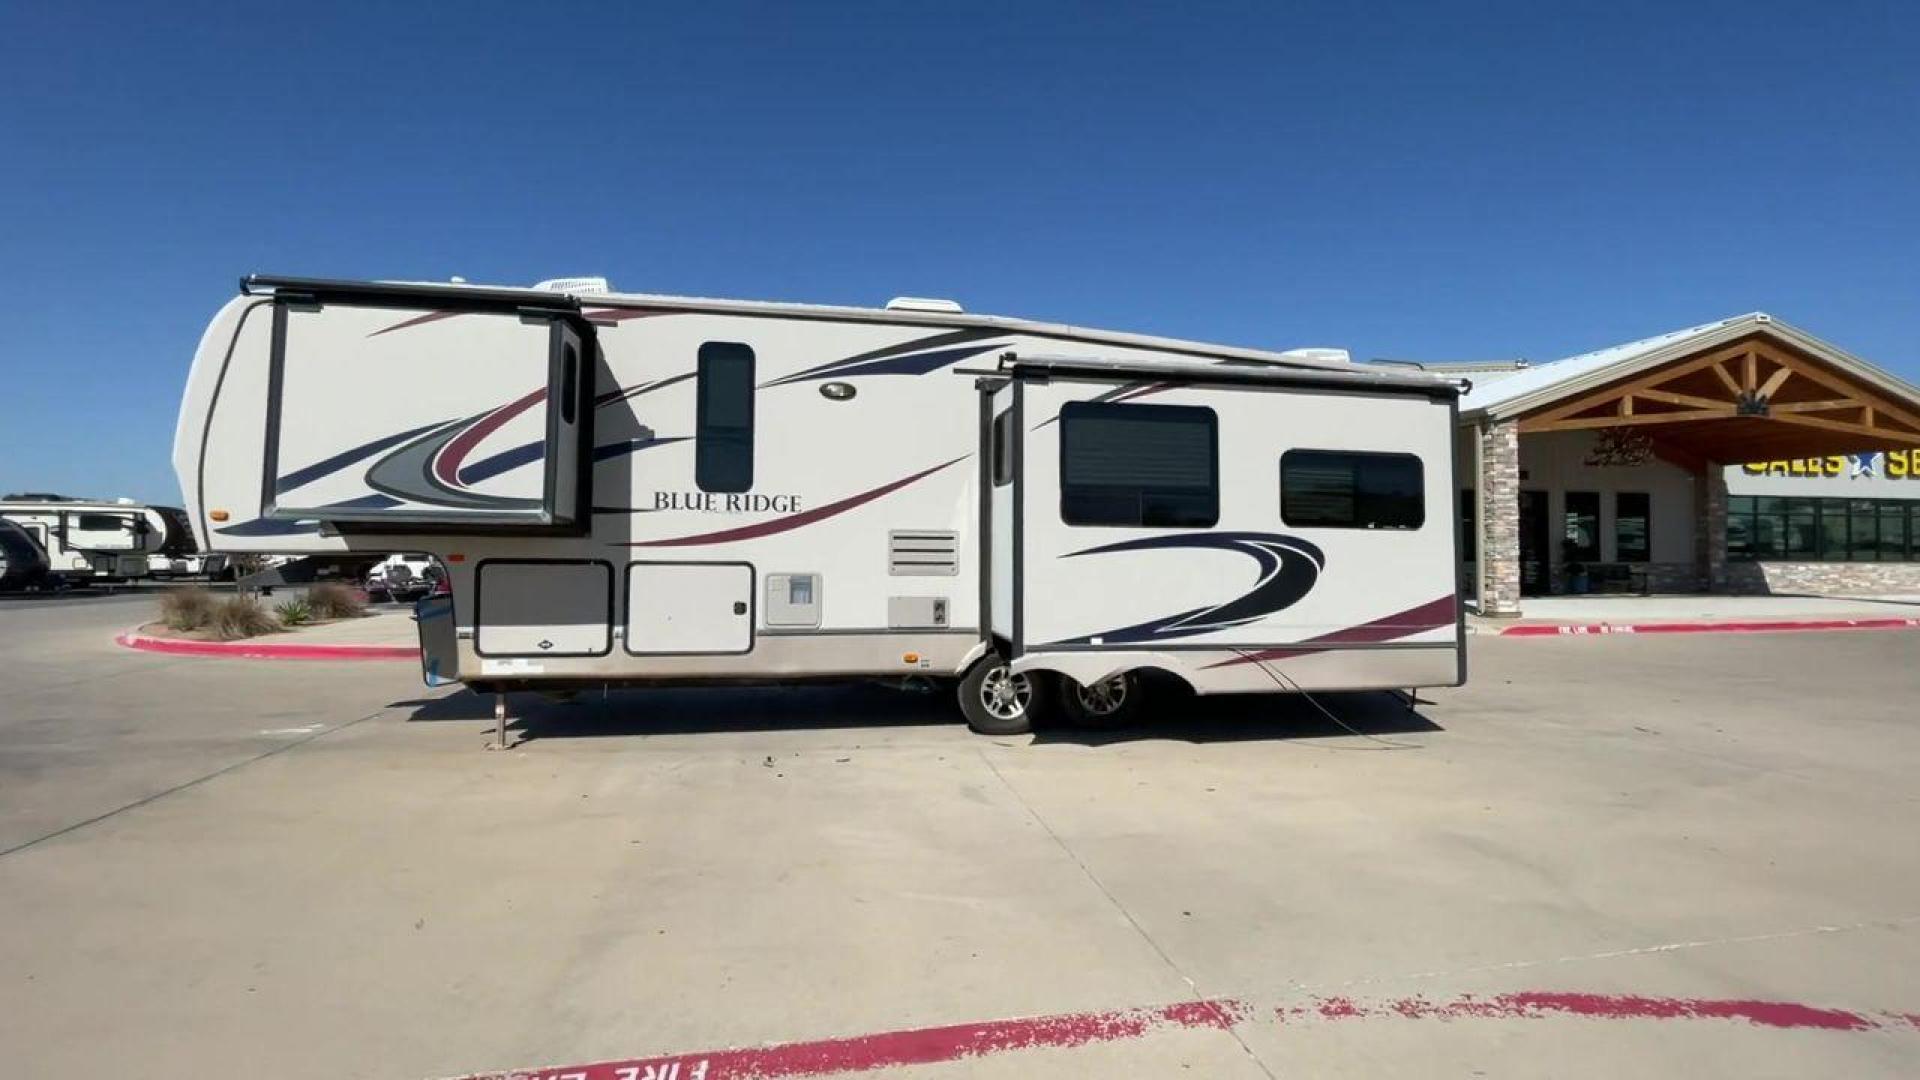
499 724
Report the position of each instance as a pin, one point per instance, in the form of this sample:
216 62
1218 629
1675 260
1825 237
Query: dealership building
1740 456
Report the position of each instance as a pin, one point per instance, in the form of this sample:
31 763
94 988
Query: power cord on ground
1287 683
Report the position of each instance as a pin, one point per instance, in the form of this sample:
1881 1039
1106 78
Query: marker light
910 658
217 515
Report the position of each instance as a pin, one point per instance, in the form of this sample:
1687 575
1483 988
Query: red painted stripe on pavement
935 1045
1773 626
260 650
894 1049
1534 1005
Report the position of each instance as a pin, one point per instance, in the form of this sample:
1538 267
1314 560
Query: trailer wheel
1110 703
998 702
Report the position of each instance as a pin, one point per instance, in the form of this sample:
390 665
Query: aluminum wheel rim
1005 695
1103 698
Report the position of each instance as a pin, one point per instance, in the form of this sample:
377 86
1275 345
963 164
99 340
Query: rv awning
1232 372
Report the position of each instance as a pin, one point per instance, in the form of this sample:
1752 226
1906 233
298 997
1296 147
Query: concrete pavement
222 867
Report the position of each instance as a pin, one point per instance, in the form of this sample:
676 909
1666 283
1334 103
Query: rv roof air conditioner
925 303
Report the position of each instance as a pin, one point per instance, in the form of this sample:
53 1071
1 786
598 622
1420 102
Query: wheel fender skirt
1087 667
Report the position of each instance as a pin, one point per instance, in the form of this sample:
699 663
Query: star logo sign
1859 465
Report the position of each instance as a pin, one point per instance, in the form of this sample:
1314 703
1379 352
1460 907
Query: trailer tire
1109 704
997 702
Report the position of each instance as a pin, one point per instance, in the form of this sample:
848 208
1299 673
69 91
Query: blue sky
1414 181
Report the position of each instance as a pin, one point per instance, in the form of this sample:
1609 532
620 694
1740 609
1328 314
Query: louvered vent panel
917 553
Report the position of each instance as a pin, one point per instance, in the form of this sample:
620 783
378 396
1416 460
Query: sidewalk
385 634
1574 615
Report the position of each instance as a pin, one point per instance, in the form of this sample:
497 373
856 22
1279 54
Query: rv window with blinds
1139 465
1347 489
723 431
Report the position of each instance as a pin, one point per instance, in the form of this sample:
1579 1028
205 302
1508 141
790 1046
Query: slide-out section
387 414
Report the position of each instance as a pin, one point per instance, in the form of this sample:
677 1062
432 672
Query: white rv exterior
640 489
87 539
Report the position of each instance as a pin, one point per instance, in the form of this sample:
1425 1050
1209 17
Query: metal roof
1527 390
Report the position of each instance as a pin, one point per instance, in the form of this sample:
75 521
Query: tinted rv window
1341 489
1003 448
1153 465
723 432
102 523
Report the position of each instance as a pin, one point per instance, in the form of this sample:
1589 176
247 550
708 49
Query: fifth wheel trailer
639 489
88 539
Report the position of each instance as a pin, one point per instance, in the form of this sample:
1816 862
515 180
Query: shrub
242 617
293 612
186 609
332 600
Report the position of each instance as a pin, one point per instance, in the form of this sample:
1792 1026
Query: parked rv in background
179 556
23 562
98 540
633 489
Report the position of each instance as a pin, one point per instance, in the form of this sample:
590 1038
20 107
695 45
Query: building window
1139 465
723 429
1822 530
1581 542
1632 526
1344 489
1469 536
1893 533
1003 448
1863 531
1803 529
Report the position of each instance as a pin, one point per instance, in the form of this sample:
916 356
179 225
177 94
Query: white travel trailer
87 539
633 489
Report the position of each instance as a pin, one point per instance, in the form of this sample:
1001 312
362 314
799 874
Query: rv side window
1341 489
1003 448
1139 465
102 523
723 432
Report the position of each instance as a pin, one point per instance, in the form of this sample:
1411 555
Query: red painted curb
1747 627
259 650
927 1046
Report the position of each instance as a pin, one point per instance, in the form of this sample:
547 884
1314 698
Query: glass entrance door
1533 543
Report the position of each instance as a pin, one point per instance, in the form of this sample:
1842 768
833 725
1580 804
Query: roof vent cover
925 303
577 286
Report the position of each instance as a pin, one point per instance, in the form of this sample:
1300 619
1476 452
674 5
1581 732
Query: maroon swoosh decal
627 393
795 521
1147 391
446 467
1428 616
431 316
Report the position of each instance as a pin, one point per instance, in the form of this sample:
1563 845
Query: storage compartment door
689 608
543 607
392 418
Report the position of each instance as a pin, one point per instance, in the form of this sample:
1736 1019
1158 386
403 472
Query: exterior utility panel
647 489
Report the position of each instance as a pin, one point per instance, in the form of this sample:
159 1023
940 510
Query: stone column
1500 519
1713 528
